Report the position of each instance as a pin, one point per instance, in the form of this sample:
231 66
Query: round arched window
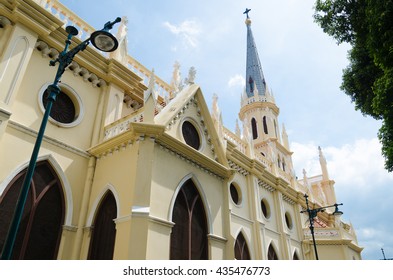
235 194
191 135
66 110
265 208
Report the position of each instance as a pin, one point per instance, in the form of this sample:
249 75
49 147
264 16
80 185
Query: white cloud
358 166
236 81
305 157
188 31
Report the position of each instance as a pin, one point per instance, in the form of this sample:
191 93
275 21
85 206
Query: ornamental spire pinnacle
254 74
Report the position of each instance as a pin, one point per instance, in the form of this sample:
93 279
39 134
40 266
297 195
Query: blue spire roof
254 73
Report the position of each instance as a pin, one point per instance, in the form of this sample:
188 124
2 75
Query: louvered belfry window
241 249
102 243
189 234
39 233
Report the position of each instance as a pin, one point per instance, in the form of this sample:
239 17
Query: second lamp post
312 213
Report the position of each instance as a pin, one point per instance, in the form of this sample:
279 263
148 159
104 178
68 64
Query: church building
133 167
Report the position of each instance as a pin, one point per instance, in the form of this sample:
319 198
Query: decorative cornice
52 53
175 118
288 199
48 139
222 174
142 131
144 212
217 238
266 186
241 218
328 242
135 132
257 105
238 168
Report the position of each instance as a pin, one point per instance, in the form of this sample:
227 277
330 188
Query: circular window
288 220
63 109
66 110
191 135
235 194
265 208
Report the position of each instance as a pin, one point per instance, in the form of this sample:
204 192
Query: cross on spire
246 12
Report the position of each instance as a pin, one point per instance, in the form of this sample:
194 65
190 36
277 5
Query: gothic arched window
265 125
102 243
189 234
271 254
39 232
254 128
241 248
275 128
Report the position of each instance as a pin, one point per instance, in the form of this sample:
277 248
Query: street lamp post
312 213
384 257
102 40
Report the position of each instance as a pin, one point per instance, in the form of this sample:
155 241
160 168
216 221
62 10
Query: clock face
191 135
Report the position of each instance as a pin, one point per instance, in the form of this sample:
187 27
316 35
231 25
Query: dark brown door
102 243
189 234
39 233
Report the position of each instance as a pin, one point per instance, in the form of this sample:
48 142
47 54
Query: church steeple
259 114
255 81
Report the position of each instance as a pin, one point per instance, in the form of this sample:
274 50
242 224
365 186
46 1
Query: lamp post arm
325 207
65 58
108 26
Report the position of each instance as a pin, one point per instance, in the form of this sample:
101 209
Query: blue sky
302 66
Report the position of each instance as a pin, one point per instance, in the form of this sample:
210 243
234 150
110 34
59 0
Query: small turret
322 161
150 100
284 136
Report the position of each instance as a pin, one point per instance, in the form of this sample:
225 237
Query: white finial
150 101
121 53
151 87
323 163
215 109
284 136
176 79
237 129
191 75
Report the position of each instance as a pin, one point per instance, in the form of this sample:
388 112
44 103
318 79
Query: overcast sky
302 66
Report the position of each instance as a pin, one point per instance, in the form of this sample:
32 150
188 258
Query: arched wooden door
39 233
102 243
189 234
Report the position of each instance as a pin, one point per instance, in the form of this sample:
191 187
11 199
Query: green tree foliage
368 26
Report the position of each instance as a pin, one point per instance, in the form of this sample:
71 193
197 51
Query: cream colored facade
127 139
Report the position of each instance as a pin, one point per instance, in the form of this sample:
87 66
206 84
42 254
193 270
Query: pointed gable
187 118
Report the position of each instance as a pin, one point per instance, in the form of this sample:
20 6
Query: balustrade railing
122 125
56 8
233 138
